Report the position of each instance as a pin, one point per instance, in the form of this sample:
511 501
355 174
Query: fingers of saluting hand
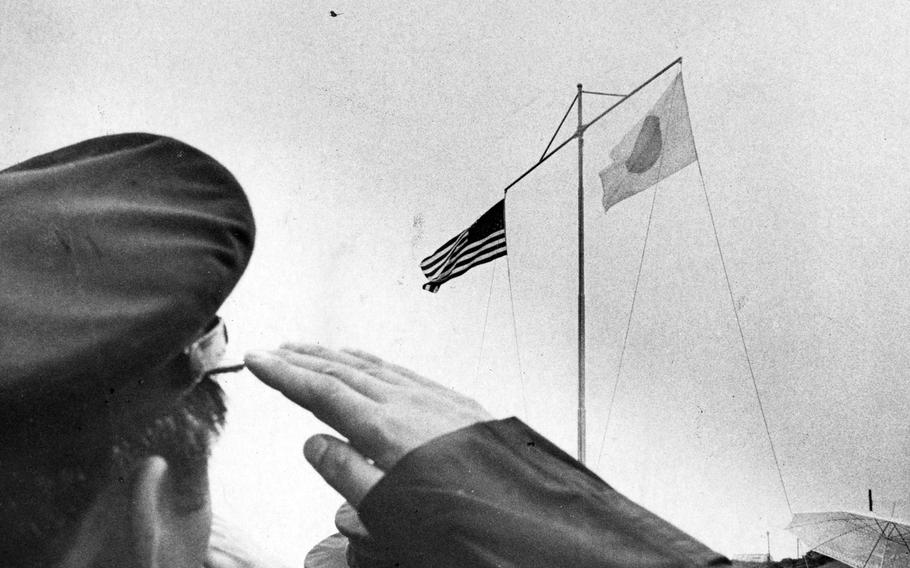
362 361
392 372
360 371
383 409
404 377
343 467
330 397
350 370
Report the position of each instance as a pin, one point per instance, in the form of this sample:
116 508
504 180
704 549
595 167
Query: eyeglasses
207 354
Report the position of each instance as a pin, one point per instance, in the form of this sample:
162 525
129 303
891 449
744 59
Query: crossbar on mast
638 88
586 126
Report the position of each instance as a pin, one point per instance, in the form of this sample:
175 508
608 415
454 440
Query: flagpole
579 134
581 286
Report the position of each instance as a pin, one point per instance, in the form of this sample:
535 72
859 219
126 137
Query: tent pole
581 287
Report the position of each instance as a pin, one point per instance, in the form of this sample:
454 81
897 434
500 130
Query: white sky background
366 141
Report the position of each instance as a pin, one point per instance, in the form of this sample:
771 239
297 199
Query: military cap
115 255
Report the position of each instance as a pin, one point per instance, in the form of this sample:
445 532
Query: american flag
483 241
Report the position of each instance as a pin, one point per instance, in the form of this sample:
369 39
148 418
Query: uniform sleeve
499 494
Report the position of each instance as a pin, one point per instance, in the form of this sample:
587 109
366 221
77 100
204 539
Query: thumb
342 467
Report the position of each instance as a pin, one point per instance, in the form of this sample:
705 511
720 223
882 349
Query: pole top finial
579 86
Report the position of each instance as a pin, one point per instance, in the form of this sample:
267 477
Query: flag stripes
483 241
463 253
460 261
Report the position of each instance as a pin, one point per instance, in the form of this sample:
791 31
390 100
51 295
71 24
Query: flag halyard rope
521 374
625 340
483 333
486 316
739 327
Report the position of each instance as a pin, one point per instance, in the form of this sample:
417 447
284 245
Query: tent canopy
860 540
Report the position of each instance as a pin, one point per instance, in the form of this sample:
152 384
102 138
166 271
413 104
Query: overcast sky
366 140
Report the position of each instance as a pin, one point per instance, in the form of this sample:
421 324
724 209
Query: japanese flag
658 146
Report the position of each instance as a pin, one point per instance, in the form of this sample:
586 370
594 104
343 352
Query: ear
149 511
170 516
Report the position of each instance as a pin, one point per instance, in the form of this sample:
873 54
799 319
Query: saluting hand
384 410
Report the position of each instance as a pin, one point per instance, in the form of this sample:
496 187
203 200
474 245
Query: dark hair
57 455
